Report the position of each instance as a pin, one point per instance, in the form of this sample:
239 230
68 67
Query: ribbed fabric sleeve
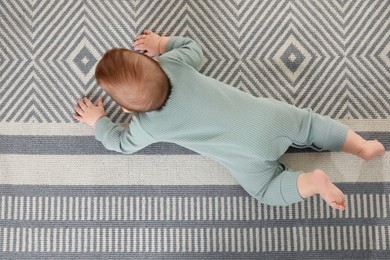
282 189
184 49
289 187
122 139
334 134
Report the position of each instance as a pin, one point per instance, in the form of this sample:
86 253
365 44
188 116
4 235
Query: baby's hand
89 113
148 42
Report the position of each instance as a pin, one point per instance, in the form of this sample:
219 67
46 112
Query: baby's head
135 81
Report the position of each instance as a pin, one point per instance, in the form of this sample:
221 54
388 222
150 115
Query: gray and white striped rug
62 195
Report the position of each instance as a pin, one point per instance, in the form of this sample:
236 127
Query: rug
63 196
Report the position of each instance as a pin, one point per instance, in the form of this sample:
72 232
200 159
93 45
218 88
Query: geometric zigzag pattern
332 56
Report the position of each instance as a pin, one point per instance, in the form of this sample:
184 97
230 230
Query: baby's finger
76 116
147 32
87 102
78 110
140 47
99 102
82 104
137 42
139 37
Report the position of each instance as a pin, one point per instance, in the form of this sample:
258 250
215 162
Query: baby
172 102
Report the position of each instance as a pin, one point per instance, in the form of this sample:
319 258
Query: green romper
245 134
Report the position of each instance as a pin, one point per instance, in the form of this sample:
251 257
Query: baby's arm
179 48
122 139
113 136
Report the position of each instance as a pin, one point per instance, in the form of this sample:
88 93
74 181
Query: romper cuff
336 136
289 187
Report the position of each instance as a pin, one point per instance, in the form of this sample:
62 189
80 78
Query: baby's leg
317 182
356 145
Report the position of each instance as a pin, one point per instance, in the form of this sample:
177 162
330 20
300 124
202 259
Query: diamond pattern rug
62 195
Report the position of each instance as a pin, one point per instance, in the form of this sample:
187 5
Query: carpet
63 196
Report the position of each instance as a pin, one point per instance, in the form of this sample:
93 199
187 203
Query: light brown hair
135 81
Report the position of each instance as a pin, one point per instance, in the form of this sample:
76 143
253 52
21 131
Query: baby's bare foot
372 149
327 190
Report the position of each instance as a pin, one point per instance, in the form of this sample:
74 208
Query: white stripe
171 241
214 238
52 199
143 208
282 239
153 240
351 238
371 204
110 239
345 238
85 237
220 241
204 210
176 235
82 214
384 204
76 208
378 206
40 208
49 169
103 242
89 208
151 209
377 239
9 216
239 245
186 209
192 208
370 238
131 208
129 240
2 207
365 206
125 209
106 209
11 239
24 239
137 208
307 238
48 245
338 232
54 241
16 209
146 240
98 249
123 234
314 237
174 213
70 213
210 209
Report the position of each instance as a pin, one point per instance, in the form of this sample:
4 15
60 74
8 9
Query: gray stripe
74 145
297 223
164 190
326 255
